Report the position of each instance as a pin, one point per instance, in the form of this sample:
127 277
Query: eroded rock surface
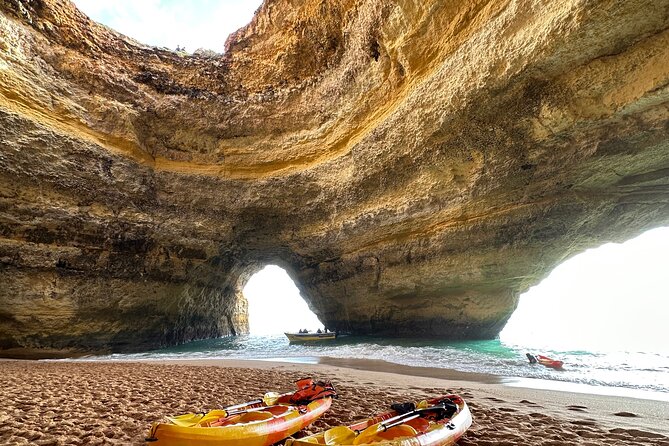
415 166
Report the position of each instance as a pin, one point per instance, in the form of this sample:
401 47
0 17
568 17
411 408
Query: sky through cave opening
612 298
192 25
275 304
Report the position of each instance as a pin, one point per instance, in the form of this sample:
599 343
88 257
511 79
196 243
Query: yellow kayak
251 424
436 422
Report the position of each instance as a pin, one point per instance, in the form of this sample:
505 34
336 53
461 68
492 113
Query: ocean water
632 373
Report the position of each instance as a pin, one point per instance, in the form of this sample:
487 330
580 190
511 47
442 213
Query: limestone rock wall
415 166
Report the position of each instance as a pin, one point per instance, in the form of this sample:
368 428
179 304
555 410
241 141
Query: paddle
186 420
339 435
344 434
375 429
193 419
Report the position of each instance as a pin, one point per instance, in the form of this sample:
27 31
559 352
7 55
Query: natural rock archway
415 165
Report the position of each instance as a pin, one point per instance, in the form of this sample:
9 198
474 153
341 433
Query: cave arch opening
275 305
189 26
614 298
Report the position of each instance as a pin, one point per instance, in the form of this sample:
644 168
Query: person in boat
319 331
531 358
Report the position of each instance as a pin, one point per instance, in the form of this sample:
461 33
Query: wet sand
105 403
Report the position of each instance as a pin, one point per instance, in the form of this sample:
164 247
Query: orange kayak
436 422
548 362
544 360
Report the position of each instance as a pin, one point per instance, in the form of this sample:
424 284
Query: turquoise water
643 371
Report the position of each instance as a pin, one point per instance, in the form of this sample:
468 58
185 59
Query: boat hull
310 337
548 362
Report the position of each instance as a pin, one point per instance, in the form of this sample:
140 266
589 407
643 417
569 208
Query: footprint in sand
577 408
529 403
636 433
584 423
626 414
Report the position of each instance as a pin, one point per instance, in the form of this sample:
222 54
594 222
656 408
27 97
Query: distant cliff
414 166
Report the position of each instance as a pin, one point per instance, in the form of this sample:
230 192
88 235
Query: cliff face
415 166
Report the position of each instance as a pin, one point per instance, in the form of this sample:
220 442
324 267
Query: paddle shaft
251 403
253 409
400 421
411 415
394 421
238 406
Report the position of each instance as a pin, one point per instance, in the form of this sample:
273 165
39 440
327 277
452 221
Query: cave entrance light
191 25
613 299
275 304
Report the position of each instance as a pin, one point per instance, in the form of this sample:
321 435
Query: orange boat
258 423
545 361
548 362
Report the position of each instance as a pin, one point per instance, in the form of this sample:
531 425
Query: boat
548 362
435 422
310 337
261 422
545 361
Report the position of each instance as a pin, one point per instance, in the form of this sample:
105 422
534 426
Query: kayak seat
277 411
242 418
255 416
420 424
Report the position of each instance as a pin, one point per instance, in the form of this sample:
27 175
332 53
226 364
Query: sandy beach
104 403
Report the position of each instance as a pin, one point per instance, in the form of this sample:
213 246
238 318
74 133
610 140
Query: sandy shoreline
82 403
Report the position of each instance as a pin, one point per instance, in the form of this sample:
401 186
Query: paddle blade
270 398
400 431
339 435
368 435
221 413
186 420
212 416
